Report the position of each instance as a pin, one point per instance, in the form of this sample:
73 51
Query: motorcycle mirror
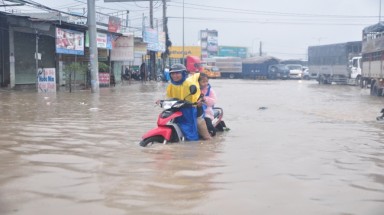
192 89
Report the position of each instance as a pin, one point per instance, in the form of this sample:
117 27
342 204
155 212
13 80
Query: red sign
103 78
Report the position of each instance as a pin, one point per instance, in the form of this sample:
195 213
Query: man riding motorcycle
179 88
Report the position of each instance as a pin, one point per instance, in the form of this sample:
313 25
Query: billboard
123 50
114 24
161 42
103 40
155 40
233 51
69 42
176 52
209 43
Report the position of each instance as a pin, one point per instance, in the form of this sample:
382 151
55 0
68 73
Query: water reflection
316 148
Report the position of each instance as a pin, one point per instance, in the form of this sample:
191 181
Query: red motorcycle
167 129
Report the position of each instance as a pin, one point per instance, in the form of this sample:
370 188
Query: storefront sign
103 78
177 51
46 80
151 38
123 50
69 42
103 40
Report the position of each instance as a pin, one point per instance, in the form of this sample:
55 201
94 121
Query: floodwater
313 149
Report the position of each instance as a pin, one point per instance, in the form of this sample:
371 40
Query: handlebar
175 103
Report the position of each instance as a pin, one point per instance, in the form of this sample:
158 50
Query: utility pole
152 54
126 21
93 54
261 49
165 29
37 59
183 32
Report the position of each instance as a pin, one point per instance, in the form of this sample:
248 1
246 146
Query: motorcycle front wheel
151 140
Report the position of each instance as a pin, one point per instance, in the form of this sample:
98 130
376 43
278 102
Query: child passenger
209 101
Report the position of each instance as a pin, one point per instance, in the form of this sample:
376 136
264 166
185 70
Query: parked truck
373 59
211 71
230 67
336 63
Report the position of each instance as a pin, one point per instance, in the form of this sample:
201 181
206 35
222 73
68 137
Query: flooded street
314 149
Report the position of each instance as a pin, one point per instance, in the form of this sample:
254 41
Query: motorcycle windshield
168 104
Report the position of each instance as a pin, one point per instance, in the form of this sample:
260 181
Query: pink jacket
210 101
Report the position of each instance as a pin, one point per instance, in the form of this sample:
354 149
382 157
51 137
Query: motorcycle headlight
177 105
168 104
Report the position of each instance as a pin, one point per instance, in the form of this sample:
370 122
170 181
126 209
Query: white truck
373 59
355 69
336 63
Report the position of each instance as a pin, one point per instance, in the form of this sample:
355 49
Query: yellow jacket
194 78
181 91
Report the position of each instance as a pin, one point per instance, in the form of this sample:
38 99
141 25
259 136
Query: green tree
103 67
71 70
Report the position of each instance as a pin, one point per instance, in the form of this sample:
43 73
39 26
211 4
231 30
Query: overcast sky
285 27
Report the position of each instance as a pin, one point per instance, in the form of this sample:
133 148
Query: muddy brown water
313 149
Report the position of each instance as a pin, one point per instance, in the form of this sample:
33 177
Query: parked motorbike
131 75
381 118
168 130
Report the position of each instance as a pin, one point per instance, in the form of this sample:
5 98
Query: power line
247 11
226 20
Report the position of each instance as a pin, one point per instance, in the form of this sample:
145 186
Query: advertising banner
233 51
209 43
104 41
176 52
102 21
46 80
140 48
155 40
69 42
104 79
114 24
151 38
212 45
123 50
161 42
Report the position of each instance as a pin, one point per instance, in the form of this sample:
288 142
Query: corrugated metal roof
379 27
51 16
259 59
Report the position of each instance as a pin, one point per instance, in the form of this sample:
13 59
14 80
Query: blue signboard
69 42
232 51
